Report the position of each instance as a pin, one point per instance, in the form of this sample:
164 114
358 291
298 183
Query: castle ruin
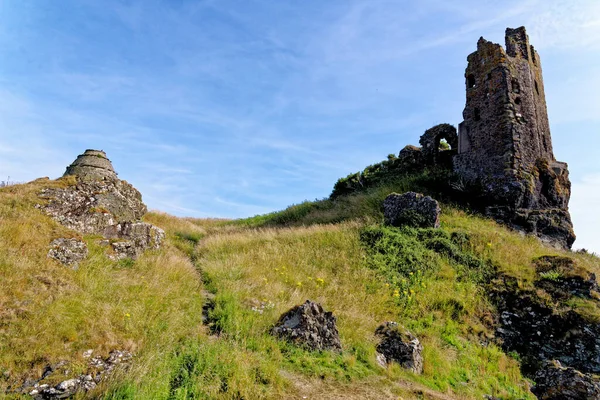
504 142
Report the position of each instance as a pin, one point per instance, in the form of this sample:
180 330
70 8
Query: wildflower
310 278
264 300
405 292
412 291
276 269
320 281
396 293
410 273
387 285
489 244
127 315
299 284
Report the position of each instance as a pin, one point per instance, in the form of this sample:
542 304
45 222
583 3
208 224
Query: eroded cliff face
504 145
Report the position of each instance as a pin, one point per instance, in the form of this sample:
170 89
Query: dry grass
50 312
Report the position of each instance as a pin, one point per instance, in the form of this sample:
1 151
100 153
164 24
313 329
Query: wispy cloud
223 109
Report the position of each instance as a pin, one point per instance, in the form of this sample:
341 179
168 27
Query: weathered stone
504 142
92 164
99 203
68 251
430 143
411 158
400 346
554 382
412 209
530 326
94 206
138 236
98 370
308 325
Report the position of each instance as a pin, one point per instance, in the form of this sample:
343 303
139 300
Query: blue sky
235 108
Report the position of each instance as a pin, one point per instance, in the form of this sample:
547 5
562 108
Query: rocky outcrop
559 345
100 203
309 326
555 382
400 346
413 209
68 252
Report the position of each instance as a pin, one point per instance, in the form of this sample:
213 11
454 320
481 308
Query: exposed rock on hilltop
100 203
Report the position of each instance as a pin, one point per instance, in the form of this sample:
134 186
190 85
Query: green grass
335 252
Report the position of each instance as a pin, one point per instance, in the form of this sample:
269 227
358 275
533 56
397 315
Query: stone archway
430 143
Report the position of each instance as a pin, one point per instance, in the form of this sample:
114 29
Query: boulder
69 252
309 326
400 346
133 238
413 209
554 382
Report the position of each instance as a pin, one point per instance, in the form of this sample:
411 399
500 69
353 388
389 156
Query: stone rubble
308 325
68 252
98 370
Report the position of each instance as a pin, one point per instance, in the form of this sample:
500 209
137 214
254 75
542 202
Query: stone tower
92 164
504 145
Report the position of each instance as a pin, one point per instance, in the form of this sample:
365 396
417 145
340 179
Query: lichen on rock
100 203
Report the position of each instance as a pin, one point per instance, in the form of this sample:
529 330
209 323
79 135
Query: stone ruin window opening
537 90
471 81
476 114
518 101
489 76
443 145
515 86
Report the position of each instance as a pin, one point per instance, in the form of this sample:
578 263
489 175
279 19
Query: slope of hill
196 314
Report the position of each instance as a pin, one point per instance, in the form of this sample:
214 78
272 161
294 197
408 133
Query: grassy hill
197 313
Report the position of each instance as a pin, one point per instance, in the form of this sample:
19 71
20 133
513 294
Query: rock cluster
413 209
555 382
550 334
309 326
100 203
98 370
68 251
400 346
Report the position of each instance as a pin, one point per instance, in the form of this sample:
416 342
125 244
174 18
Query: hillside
244 274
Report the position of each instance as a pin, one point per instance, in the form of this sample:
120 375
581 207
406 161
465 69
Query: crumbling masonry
504 143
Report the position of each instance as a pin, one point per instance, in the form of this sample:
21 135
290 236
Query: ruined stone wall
504 142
